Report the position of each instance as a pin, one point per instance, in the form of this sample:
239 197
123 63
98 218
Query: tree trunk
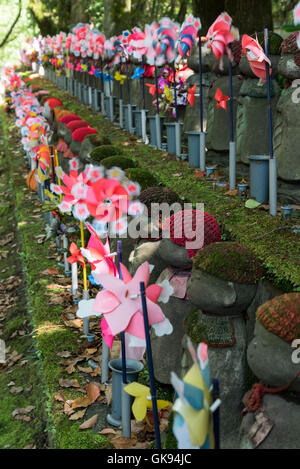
250 16
207 11
182 11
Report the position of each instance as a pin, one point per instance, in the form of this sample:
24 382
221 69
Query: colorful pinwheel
121 306
221 99
76 255
187 36
219 35
143 400
193 423
256 56
160 41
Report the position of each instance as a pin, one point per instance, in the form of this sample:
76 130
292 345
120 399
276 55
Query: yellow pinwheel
120 78
142 400
168 93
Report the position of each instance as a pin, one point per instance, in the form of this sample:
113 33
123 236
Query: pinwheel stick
52 164
232 150
272 161
143 83
269 94
57 164
175 92
123 343
150 365
200 85
84 265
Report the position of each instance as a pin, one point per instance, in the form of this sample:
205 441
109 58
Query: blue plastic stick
150 366
269 94
216 414
124 374
201 87
231 100
175 91
156 87
143 82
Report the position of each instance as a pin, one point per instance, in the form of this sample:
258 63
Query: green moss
230 262
195 328
104 151
70 437
170 440
120 161
275 41
158 195
142 176
98 140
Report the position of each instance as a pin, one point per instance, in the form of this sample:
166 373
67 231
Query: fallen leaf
16 390
91 351
64 354
90 423
85 370
69 383
96 372
50 271
93 392
107 431
68 408
120 442
83 401
108 394
200 174
59 397
232 192
70 369
78 415
57 300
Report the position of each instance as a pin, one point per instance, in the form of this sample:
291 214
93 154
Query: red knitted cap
80 134
76 124
192 226
53 102
69 117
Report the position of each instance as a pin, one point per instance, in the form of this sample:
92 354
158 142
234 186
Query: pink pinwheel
188 34
136 43
92 71
160 41
120 303
219 36
297 14
75 187
99 255
256 56
76 255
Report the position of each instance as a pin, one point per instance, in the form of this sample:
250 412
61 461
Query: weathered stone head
224 279
270 353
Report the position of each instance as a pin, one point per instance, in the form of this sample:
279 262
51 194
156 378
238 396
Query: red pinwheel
152 89
191 95
76 255
221 99
256 56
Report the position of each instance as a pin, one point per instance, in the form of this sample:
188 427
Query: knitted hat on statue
192 227
281 316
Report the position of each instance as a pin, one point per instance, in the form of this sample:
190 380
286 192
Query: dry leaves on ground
90 423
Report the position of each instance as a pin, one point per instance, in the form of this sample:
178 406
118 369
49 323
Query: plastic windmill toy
194 407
